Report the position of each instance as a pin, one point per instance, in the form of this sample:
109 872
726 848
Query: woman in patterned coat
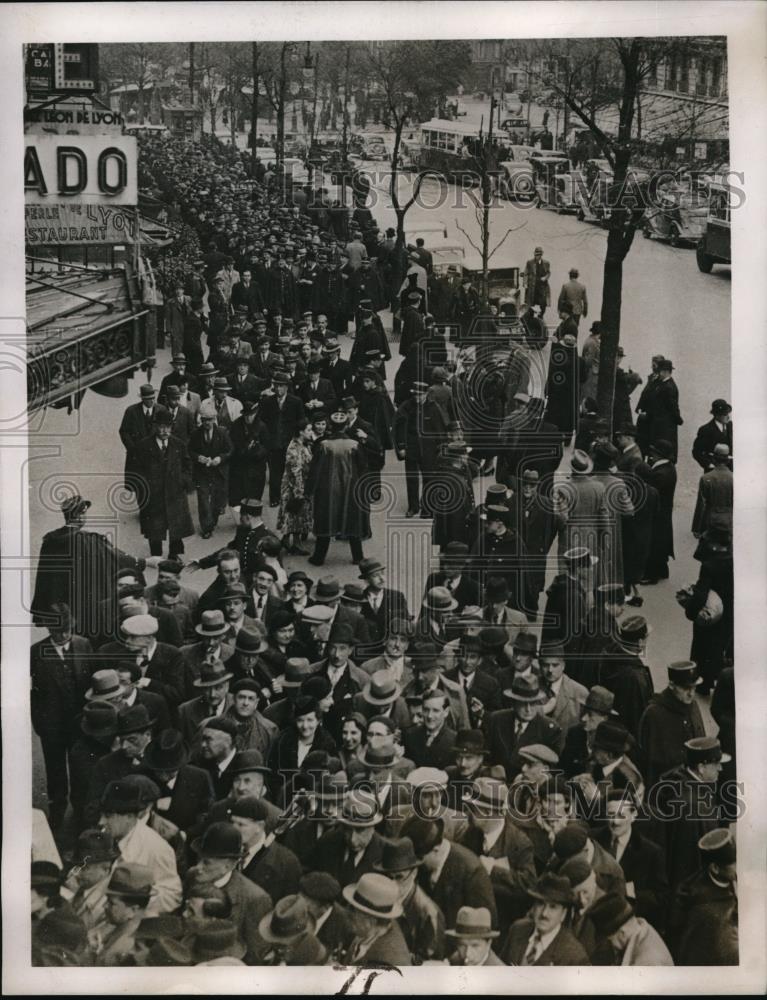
294 517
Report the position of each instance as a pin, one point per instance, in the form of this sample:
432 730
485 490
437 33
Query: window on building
684 75
701 77
716 77
671 71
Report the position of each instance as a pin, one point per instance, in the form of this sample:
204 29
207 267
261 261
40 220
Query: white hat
140 625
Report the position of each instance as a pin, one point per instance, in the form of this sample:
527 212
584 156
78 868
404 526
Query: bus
714 246
447 148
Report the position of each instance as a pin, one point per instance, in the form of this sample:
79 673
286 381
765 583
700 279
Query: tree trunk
612 294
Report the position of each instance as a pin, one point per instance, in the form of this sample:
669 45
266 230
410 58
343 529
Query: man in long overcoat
136 424
663 478
210 450
339 511
165 469
536 278
662 408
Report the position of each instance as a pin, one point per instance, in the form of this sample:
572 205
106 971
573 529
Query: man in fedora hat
162 463
345 677
281 412
382 604
127 678
98 727
225 408
179 364
353 847
121 805
374 907
626 938
453 560
451 874
599 634
421 922
132 737
510 728
573 292
663 418
381 694
59 671
566 696
687 794
420 429
538 527
579 738
289 930
265 861
394 657
234 601
212 701
523 655
186 791
137 423
95 855
211 645
327 592
250 777
473 937
502 847
210 449
715 493
497 611
663 477
128 894
219 851
250 443
483 691
500 552
670 719
626 674
630 453
569 597
717 431
611 767
703 924
543 938
536 281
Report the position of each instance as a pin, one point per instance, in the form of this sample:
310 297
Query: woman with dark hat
295 517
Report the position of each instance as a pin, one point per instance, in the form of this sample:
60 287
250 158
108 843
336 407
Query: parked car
678 216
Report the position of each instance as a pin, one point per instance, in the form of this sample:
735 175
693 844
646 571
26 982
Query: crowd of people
290 768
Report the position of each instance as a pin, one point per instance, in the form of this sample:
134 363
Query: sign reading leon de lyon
74 225
88 169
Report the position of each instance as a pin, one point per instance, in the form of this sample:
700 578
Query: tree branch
459 226
509 231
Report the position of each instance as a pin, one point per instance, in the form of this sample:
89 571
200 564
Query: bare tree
411 77
589 77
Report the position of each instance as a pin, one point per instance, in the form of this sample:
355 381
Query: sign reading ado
88 169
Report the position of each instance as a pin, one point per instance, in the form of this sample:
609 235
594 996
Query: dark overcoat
337 467
167 477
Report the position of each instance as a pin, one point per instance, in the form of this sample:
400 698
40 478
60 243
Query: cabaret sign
74 225
88 169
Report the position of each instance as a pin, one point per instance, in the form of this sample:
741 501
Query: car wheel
580 215
705 262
